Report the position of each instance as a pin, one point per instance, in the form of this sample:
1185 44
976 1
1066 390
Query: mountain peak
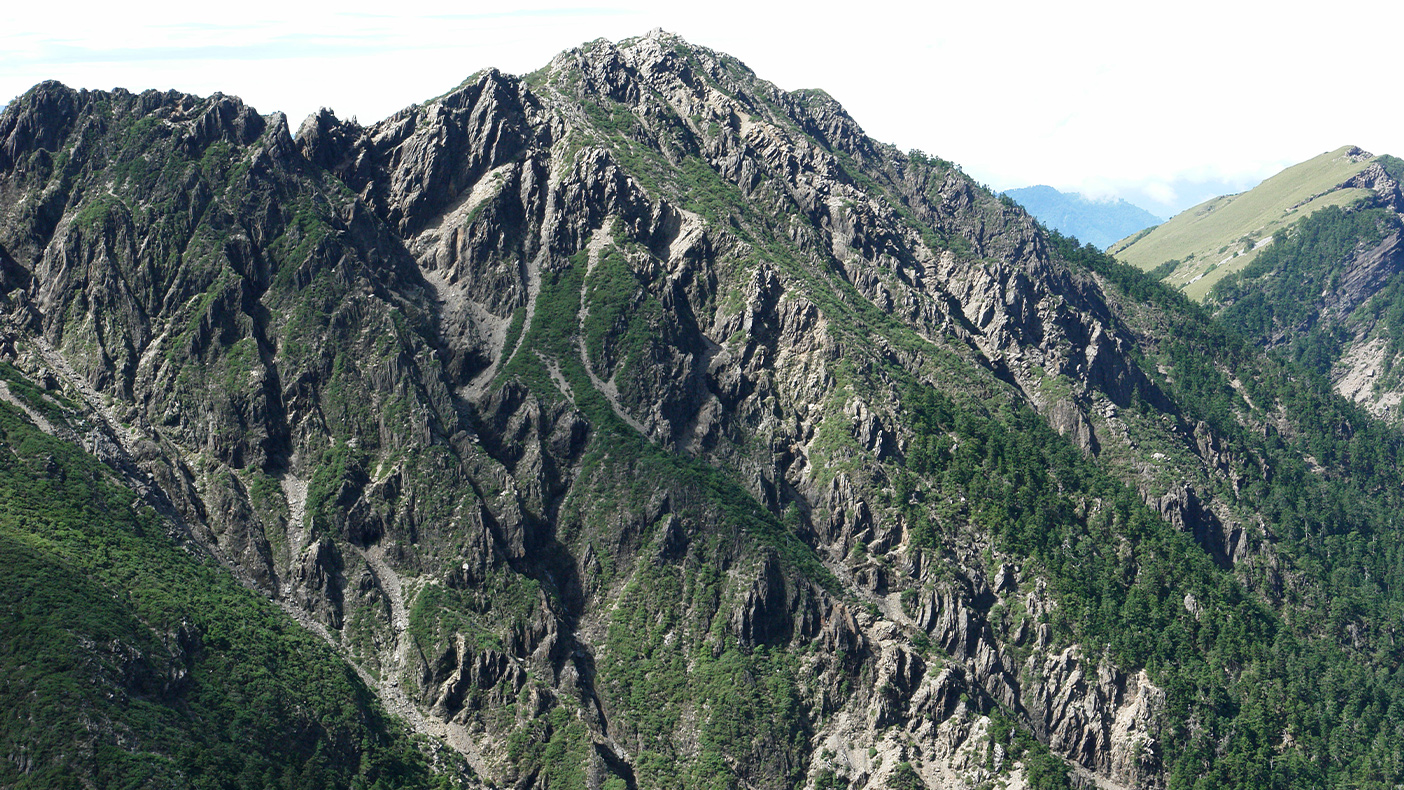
636 423
659 34
1355 153
1099 222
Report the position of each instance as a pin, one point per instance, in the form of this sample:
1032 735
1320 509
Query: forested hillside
1328 296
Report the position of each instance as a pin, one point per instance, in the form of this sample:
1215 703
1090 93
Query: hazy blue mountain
1101 222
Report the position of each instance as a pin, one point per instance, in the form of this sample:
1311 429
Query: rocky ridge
576 410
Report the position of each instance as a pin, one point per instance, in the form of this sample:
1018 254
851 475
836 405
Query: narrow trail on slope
126 437
601 239
34 416
396 702
115 444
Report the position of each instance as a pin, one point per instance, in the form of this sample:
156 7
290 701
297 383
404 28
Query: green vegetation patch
623 318
506 600
664 670
1277 297
133 662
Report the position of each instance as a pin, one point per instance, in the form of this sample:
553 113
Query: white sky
1163 103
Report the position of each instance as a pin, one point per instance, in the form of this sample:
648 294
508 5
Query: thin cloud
286 48
1161 192
535 13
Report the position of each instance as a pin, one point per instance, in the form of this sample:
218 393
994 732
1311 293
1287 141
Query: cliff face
638 422
1363 308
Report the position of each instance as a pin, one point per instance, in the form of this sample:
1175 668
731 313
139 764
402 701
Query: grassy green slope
1218 236
130 662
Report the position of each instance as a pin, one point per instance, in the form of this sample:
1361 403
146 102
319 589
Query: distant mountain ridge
1200 246
1307 263
1100 222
